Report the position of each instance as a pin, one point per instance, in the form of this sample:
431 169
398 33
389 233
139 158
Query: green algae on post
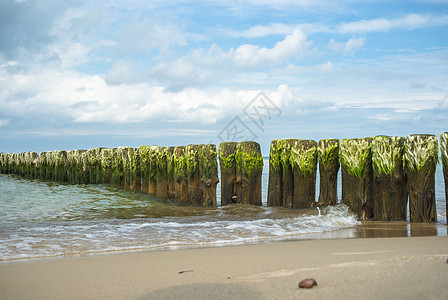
144 167
180 175
421 155
227 163
152 181
328 152
249 166
355 156
162 172
193 177
303 159
275 185
284 148
135 170
106 165
389 179
208 169
444 151
170 171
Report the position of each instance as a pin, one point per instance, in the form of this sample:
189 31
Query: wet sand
368 268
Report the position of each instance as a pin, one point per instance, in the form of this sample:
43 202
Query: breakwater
379 175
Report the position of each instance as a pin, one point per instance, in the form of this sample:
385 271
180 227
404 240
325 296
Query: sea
44 219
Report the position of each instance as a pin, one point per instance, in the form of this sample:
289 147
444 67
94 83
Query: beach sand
368 268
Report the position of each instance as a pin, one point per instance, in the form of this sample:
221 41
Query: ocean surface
43 219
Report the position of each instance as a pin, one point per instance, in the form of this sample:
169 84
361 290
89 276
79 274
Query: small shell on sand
307 283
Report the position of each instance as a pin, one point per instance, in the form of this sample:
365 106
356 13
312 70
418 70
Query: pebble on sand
307 283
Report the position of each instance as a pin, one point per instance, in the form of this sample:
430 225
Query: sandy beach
369 268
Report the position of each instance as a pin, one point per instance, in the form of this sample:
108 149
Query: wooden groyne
379 174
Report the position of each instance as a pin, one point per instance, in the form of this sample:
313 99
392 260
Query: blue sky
82 74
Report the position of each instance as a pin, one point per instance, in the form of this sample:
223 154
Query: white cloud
408 22
347 48
294 45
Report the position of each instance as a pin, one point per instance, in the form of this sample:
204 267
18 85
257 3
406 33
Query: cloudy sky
82 74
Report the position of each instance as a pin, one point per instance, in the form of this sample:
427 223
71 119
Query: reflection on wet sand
399 229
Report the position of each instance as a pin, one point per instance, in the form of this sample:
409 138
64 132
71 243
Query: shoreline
367 229
401 267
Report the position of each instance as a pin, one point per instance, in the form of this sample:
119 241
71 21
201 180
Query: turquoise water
40 219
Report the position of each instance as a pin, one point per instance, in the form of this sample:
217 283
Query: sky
85 74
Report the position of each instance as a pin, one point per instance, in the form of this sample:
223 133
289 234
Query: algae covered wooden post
328 152
106 165
194 179
249 168
303 159
227 165
170 172
162 175
275 184
180 175
145 161
421 156
355 156
135 170
152 182
287 172
389 179
208 169
444 151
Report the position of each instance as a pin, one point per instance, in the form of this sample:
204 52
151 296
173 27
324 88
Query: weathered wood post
275 184
227 165
43 165
444 151
287 172
94 163
194 179
60 165
208 169
117 167
249 168
135 170
106 165
49 166
303 159
128 154
328 152
145 162
170 172
389 179
421 156
180 175
356 161
162 175
152 184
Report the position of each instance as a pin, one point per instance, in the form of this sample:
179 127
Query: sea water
40 219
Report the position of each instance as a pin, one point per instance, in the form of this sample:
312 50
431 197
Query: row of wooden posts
379 174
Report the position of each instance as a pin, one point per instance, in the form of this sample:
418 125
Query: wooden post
356 160
208 169
152 185
328 152
389 179
117 167
180 175
227 165
135 170
145 162
303 159
94 165
162 175
275 185
60 165
249 168
43 165
194 180
287 173
106 165
444 151
170 172
421 156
